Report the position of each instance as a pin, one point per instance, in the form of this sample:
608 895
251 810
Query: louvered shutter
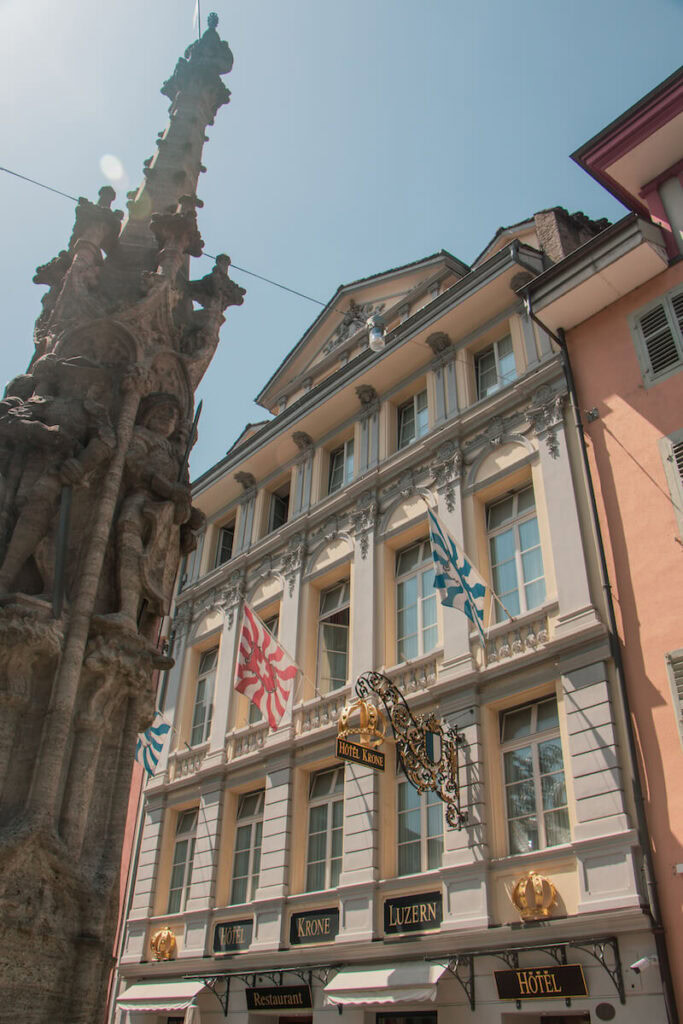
658 337
676 674
677 451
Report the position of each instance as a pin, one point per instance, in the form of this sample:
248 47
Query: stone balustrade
512 640
246 740
184 763
320 711
418 675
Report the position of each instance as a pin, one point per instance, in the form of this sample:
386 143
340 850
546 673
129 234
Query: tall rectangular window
273 626
420 830
183 856
203 700
278 512
515 551
533 768
341 467
333 638
416 627
248 836
325 829
495 367
224 544
413 419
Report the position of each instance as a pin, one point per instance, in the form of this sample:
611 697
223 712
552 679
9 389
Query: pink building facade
619 301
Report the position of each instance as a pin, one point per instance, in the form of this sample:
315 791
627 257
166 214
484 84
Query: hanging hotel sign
314 926
371 730
232 936
412 913
284 997
560 981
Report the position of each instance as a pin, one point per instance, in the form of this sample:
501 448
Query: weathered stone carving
302 440
247 480
439 342
95 508
293 560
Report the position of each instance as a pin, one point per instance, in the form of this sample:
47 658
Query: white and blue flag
150 743
456 579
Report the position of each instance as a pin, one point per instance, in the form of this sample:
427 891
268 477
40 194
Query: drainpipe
654 910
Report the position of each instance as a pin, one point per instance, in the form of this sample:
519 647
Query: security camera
644 963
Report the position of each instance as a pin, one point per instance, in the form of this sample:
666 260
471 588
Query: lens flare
111 167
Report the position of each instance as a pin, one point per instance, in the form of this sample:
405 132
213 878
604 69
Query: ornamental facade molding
231 596
364 520
293 560
545 415
447 471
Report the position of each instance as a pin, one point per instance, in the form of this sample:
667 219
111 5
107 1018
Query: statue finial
212 20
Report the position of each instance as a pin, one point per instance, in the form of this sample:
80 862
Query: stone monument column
95 513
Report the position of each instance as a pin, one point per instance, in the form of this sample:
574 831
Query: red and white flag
265 673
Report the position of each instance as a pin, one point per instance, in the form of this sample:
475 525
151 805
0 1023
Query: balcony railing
246 740
184 763
319 711
511 641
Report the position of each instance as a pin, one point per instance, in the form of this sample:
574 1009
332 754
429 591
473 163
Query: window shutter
658 337
677 451
677 303
676 675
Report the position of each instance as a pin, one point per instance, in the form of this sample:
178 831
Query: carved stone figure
155 505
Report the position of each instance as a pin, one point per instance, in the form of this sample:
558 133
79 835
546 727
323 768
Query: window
203 701
272 625
224 543
671 450
674 663
341 467
416 629
658 334
333 637
495 367
515 550
325 829
183 855
248 835
413 419
279 509
535 793
420 830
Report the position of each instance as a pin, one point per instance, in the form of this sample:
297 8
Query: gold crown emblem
534 896
163 944
372 726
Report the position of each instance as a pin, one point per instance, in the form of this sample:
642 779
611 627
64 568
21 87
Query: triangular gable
346 314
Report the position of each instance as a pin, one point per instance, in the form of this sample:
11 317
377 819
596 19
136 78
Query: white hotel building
298 887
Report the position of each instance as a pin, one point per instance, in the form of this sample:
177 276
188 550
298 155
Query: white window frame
419 571
335 796
202 710
426 800
344 604
674 322
272 624
222 531
188 836
418 431
514 524
254 822
671 451
501 380
533 739
346 450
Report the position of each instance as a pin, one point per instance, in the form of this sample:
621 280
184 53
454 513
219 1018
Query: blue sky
360 135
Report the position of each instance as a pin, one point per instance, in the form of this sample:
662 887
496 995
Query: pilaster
274 874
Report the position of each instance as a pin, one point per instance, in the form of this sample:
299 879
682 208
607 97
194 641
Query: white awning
411 982
160 995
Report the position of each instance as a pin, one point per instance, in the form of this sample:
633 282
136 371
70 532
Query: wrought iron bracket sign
604 950
427 747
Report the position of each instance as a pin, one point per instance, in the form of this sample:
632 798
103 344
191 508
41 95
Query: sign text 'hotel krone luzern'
371 731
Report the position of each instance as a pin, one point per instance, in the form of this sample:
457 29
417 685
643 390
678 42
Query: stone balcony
184 763
513 639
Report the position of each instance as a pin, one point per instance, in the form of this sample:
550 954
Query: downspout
654 911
